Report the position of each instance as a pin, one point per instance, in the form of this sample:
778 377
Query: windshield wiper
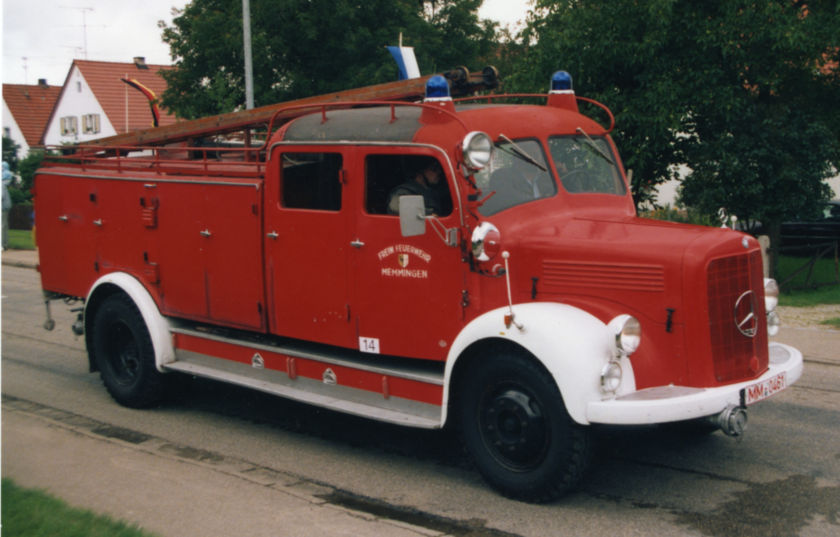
519 152
592 145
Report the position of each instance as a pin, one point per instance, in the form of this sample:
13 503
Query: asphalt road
219 460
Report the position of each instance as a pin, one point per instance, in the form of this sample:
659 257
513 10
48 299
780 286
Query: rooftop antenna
25 70
84 11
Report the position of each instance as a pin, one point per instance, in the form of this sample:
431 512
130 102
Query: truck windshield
517 174
586 164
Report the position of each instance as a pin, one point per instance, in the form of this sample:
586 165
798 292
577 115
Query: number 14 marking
369 344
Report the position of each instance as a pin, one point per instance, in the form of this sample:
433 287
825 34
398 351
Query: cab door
306 245
407 293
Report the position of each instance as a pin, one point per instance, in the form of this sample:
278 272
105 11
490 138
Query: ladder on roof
461 81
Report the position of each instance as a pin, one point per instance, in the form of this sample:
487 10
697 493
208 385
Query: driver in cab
428 181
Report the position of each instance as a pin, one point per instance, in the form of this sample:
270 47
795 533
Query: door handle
205 233
356 243
273 235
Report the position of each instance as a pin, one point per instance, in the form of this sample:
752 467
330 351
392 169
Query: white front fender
572 345
156 323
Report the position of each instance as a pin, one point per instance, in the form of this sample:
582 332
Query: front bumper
662 404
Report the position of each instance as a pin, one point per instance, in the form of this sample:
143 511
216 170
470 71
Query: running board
346 381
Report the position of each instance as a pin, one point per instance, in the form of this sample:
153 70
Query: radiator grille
604 276
736 356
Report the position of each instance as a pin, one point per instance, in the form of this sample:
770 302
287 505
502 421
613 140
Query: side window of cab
387 177
311 181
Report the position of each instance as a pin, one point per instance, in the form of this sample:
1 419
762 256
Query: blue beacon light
437 89
561 81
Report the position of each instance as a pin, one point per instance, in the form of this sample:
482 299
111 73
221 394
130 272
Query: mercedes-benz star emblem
745 319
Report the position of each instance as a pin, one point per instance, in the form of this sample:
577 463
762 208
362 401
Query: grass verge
32 513
20 239
834 322
796 293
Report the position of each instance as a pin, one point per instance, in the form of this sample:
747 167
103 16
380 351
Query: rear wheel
517 429
124 354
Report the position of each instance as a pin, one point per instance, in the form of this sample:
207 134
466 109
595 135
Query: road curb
20 258
375 517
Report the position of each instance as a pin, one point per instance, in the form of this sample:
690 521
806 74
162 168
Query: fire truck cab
468 262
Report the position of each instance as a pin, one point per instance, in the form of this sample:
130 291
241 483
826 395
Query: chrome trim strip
403 373
255 181
335 397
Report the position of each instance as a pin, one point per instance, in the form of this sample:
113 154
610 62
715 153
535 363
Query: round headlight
771 294
611 377
628 333
486 241
477 148
773 323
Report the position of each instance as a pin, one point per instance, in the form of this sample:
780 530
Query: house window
69 125
79 86
90 123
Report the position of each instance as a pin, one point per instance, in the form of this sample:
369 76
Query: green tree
618 53
743 92
28 166
764 131
10 153
309 47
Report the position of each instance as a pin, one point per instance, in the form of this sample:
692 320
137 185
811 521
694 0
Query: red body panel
250 253
194 244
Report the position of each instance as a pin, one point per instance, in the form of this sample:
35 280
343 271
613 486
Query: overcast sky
49 34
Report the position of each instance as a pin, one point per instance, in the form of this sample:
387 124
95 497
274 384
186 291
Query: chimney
140 62
42 82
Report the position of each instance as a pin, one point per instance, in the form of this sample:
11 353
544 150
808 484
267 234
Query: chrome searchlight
477 149
486 242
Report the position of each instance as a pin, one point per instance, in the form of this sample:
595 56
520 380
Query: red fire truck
470 261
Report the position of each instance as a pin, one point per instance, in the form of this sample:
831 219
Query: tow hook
732 420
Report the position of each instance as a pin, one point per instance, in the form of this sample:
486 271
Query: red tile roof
115 96
31 107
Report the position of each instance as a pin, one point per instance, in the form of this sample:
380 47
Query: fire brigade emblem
403 253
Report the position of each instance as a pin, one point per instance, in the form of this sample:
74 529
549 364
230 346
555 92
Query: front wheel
124 355
516 427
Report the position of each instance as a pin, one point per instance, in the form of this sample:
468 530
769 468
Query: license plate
764 389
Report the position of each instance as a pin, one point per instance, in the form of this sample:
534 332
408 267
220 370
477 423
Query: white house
95 102
26 109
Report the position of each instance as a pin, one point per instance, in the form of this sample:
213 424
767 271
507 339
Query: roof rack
462 82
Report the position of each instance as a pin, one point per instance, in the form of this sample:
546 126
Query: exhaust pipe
732 421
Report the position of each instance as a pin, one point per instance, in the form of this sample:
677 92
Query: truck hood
605 263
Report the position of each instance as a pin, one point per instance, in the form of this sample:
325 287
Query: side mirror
412 216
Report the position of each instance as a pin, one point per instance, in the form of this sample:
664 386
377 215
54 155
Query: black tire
516 427
123 353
